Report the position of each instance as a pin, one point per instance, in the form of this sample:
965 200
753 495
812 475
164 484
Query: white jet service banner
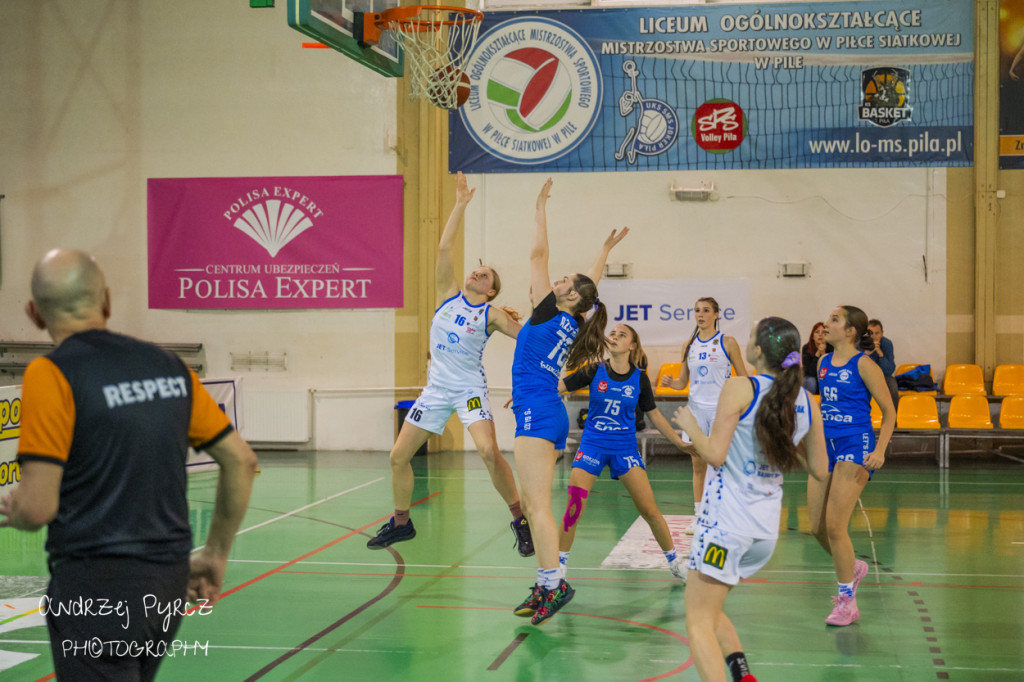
661 310
10 429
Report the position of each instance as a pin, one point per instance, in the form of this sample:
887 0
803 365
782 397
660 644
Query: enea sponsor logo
535 90
719 126
886 93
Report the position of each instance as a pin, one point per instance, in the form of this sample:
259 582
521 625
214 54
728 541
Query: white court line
296 511
880 667
429 477
871 536
777 571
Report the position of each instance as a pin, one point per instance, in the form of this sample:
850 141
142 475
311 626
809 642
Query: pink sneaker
860 569
844 612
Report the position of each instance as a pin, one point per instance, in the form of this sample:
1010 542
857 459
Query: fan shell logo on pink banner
288 242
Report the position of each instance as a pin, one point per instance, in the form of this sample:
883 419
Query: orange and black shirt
119 415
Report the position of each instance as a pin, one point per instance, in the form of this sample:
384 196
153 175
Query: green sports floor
305 600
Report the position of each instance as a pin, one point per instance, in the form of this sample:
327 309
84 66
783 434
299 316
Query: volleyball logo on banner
657 127
535 90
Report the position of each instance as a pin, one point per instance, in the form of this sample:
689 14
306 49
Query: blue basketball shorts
850 448
547 420
594 459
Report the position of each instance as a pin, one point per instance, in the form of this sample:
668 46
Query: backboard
332 22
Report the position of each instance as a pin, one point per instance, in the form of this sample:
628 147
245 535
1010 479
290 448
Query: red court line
686 664
48 677
285 565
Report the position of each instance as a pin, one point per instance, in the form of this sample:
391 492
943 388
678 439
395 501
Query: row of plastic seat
960 379
969 379
965 412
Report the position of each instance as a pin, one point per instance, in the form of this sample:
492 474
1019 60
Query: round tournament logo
535 90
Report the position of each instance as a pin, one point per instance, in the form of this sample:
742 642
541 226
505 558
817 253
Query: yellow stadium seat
876 415
917 412
1008 380
902 369
1011 412
961 379
969 412
670 369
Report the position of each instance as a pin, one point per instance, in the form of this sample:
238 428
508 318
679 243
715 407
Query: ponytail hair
775 421
590 343
637 356
715 307
858 319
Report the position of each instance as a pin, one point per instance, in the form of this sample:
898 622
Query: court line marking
859 666
1011 576
923 481
301 509
686 664
513 645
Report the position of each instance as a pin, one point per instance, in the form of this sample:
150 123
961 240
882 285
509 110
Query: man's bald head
68 286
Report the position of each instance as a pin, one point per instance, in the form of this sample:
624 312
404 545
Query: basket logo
719 126
535 90
886 93
656 128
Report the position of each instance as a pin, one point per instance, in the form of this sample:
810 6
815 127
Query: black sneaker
389 534
531 603
553 601
524 539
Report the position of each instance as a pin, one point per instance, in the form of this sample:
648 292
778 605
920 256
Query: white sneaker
680 567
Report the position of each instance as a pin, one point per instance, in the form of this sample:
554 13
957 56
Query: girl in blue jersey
556 335
847 381
462 325
759 423
708 358
619 387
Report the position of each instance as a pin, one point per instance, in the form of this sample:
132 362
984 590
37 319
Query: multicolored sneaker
860 569
524 539
844 611
553 601
680 566
531 603
389 534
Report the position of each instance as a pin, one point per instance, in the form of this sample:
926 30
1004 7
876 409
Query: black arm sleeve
545 310
581 378
646 402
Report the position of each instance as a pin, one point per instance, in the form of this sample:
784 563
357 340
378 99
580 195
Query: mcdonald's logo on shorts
715 556
473 404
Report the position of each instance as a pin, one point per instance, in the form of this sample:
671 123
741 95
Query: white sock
670 554
550 577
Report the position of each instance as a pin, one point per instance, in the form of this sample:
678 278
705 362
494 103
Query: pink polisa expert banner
275 242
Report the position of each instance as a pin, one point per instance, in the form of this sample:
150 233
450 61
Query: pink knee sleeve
575 507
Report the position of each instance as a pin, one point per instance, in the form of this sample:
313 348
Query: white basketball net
436 43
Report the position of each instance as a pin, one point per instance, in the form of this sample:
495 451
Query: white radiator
280 415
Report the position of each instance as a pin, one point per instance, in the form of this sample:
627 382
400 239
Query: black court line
508 651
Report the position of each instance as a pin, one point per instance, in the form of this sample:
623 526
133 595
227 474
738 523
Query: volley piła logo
535 90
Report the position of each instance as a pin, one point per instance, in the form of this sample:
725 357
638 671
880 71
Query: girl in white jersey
847 380
759 423
707 359
462 324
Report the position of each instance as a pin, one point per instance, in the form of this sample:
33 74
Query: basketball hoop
435 40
